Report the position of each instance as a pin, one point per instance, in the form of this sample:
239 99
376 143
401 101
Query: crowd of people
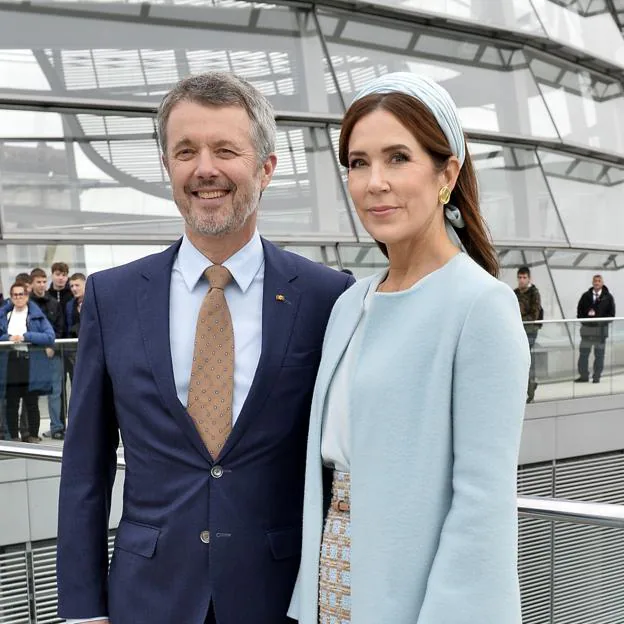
38 311
595 303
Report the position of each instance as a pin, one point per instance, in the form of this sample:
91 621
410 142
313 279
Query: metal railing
554 509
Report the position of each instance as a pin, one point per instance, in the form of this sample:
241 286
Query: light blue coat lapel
340 329
339 332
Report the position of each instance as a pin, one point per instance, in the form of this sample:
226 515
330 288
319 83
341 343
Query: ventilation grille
14 594
572 574
36 567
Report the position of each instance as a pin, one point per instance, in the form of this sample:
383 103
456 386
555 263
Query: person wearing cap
410 500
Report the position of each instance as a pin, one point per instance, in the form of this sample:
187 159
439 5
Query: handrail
7 344
578 512
554 509
602 319
41 452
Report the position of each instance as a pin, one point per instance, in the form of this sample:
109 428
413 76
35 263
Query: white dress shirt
244 298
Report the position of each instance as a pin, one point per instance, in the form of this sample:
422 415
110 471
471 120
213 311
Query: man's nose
206 165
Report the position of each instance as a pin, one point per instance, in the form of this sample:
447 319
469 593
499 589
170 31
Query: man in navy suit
202 539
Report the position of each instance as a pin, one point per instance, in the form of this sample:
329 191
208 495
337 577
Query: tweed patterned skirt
335 563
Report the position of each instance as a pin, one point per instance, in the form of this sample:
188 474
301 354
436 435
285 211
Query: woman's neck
410 261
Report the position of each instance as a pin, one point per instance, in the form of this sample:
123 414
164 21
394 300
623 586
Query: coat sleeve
581 308
44 336
87 475
536 305
474 575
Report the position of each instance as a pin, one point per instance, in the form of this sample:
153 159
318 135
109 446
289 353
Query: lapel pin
281 299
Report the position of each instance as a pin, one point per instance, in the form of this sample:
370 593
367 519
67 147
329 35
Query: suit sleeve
474 576
87 475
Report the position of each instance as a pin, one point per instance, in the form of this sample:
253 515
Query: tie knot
218 276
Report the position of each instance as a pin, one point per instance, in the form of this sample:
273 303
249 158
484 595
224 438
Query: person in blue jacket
25 372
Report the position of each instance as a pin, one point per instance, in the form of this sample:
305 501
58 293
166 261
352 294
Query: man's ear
268 169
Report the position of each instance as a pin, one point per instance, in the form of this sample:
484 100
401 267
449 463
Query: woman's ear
451 172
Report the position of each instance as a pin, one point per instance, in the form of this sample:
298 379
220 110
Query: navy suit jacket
162 572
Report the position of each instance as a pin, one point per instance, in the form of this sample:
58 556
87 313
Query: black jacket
62 296
52 311
604 307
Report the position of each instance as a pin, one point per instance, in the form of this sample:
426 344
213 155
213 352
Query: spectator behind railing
72 310
25 373
530 304
52 310
597 302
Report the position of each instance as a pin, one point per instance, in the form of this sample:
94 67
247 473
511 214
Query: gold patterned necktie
212 374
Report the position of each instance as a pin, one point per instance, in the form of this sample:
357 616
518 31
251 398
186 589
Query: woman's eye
399 157
355 163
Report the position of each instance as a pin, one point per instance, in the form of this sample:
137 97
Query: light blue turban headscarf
441 105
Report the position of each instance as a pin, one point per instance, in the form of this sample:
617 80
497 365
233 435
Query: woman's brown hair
419 120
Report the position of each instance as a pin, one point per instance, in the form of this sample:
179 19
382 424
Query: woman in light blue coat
419 400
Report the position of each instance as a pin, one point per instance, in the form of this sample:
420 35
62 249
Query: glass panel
304 195
19 69
570 167
539 277
514 14
324 254
598 261
590 27
566 353
363 260
564 259
587 109
591 212
511 259
30 124
116 183
80 258
506 100
515 200
572 283
50 188
276 48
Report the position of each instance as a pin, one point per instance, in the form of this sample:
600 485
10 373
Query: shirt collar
243 265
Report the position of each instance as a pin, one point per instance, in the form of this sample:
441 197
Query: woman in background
25 372
420 395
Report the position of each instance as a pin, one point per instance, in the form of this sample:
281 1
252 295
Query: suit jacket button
204 536
217 472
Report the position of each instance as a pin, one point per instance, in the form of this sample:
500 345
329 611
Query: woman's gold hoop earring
444 195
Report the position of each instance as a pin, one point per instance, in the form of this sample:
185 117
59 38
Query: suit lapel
280 302
153 311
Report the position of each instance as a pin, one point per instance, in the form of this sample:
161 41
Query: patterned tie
212 375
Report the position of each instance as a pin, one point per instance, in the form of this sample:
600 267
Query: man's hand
49 352
16 338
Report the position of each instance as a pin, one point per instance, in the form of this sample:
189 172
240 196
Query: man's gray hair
218 88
